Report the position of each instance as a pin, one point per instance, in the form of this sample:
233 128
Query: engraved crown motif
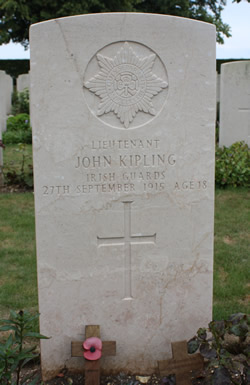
126 84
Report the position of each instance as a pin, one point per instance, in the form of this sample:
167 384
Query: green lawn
17 253
231 267
232 252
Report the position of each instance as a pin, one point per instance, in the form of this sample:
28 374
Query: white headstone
217 97
9 90
123 112
23 82
1 162
218 88
2 117
235 103
3 99
6 88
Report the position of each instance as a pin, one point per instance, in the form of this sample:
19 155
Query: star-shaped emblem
126 84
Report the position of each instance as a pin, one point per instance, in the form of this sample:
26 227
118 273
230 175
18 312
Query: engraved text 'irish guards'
126 84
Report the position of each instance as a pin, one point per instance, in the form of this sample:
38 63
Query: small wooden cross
92 368
181 364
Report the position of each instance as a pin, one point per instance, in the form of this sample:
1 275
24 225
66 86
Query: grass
231 268
17 253
231 259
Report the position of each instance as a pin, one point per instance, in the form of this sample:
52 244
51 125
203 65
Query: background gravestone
217 97
23 82
235 103
217 88
3 113
1 162
123 133
6 87
9 90
2 101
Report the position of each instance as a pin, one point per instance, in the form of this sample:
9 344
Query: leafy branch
13 354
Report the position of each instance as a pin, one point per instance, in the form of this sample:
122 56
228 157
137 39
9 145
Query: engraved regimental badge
126 85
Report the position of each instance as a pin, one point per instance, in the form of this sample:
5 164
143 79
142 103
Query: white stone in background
9 91
3 100
217 97
123 112
1 162
235 103
23 82
6 89
2 116
218 88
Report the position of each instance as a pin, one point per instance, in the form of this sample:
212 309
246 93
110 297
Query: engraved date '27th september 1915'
129 187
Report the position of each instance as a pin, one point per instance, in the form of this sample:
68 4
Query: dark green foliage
16 17
18 126
15 67
204 10
18 122
20 102
233 165
227 361
10 137
238 324
13 354
18 130
20 174
221 376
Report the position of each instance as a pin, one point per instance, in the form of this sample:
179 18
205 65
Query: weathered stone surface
23 81
235 103
1 162
5 97
9 90
6 88
123 125
218 88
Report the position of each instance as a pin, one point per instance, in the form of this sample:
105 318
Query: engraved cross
127 240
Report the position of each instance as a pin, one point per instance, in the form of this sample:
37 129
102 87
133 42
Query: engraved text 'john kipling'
125 160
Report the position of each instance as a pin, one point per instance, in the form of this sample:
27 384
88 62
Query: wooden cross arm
182 363
167 367
92 368
108 348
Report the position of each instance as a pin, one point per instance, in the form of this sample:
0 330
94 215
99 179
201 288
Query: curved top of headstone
123 73
122 14
236 63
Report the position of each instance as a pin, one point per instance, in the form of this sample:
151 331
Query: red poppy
93 348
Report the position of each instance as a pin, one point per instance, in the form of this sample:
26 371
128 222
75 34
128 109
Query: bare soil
67 378
5 189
